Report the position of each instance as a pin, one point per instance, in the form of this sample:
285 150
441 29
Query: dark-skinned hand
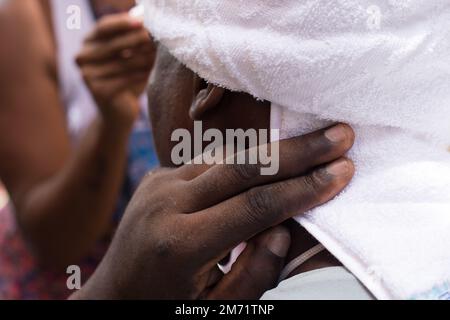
182 222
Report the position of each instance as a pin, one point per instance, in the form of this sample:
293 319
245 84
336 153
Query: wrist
115 127
117 122
120 112
100 286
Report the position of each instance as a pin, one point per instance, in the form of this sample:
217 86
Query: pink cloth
20 276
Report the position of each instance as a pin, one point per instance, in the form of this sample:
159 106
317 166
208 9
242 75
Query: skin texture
172 236
181 220
64 196
177 97
115 62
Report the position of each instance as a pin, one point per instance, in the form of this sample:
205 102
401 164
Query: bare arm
63 198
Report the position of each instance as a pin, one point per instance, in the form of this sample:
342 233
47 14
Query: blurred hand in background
115 62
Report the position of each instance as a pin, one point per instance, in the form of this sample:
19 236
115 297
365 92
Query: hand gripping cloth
383 66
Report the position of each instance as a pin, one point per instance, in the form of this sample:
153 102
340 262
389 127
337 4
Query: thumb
258 268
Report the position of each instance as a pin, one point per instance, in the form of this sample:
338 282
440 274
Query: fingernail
339 168
337 133
279 243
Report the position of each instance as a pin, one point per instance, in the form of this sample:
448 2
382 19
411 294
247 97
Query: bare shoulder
25 38
33 136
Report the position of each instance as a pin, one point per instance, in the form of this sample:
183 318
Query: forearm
64 216
63 199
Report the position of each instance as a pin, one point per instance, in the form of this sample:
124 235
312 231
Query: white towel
382 66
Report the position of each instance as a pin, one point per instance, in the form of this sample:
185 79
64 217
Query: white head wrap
381 65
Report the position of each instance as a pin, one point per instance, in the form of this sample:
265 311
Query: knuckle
261 204
201 188
316 186
244 172
157 176
198 194
149 177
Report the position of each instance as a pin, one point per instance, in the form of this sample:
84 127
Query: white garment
72 21
381 65
334 283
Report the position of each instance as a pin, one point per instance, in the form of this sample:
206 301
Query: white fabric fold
382 66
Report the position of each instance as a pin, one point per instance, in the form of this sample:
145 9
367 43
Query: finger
318 146
107 88
240 218
296 156
96 51
111 25
115 84
118 67
258 268
147 48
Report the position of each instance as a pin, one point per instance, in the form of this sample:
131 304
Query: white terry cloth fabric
382 66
